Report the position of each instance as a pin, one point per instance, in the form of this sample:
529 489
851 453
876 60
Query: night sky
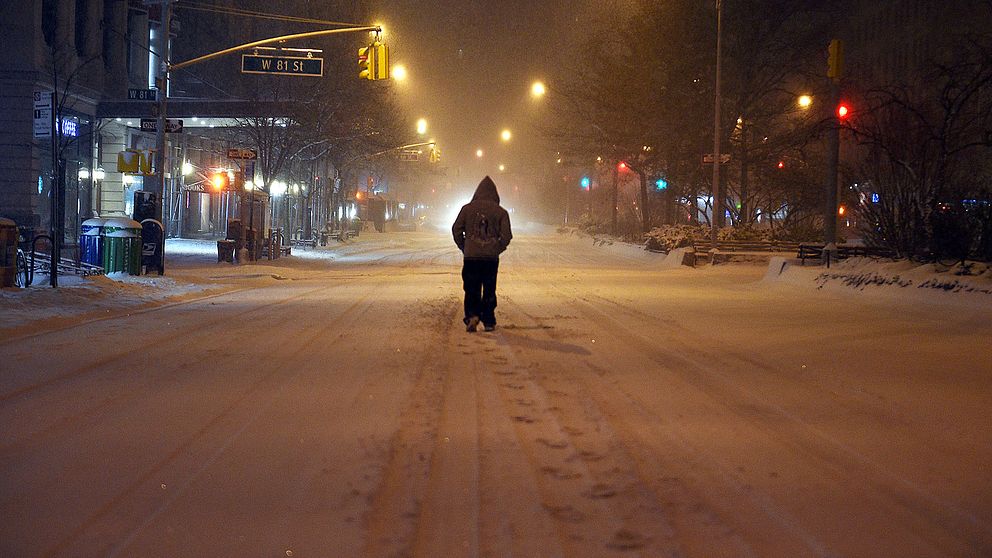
471 64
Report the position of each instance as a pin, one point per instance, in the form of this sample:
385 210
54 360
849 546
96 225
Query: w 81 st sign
282 65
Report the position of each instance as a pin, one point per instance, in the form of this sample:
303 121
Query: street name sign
172 125
410 156
42 114
142 94
708 158
238 153
282 65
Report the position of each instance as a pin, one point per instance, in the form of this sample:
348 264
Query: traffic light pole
833 160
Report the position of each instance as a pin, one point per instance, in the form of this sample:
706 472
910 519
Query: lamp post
717 194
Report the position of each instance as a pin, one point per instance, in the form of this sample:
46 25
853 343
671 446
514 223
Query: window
82 27
49 16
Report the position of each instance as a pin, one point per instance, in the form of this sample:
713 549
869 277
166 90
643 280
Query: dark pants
479 279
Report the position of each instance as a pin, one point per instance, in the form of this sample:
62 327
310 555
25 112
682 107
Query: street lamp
502 168
422 126
804 101
538 90
478 153
398 72
505 135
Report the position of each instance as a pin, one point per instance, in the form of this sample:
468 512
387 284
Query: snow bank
971 284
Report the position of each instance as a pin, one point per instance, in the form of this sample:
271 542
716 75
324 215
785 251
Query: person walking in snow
482 233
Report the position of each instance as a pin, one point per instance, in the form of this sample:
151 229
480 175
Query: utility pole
717 194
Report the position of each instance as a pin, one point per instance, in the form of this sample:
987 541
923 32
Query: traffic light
366 62
373 61
434 156
843 111
622 166
781 164
661 184
220 181
585 182
381 65
835 59
224 180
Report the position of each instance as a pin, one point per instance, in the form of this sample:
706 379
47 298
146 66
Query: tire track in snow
162 341
397 503
831 458
182 360
244 404
889 487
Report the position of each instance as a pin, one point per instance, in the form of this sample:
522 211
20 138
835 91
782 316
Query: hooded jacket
482 229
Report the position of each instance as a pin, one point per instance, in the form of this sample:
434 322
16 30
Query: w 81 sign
282 65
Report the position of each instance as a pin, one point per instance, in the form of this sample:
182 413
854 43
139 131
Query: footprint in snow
567 514
560 474
599 490
556 444
524 419
625 539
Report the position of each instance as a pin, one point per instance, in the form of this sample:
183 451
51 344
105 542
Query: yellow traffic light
366 62
220 181
381 61
835 59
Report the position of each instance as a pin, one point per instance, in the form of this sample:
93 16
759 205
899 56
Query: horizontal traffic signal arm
371 28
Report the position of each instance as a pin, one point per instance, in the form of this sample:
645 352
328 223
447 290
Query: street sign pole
53 276
163 94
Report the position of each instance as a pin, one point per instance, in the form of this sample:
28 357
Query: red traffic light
781 164
622 166
842 111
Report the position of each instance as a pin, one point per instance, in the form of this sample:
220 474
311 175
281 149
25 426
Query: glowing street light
538 90
505 135
502 168
478 153
398 72
805 101
422 126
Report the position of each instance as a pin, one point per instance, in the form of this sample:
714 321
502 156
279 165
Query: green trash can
122 246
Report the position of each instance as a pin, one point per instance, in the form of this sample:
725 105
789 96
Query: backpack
484 236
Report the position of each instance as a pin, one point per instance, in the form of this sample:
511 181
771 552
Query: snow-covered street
332 404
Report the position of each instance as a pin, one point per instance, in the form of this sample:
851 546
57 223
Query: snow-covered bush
670 237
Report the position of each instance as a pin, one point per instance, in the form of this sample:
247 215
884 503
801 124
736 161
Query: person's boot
490 327
472 324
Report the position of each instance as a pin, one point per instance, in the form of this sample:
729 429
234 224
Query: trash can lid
122 223
122 233
94 222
